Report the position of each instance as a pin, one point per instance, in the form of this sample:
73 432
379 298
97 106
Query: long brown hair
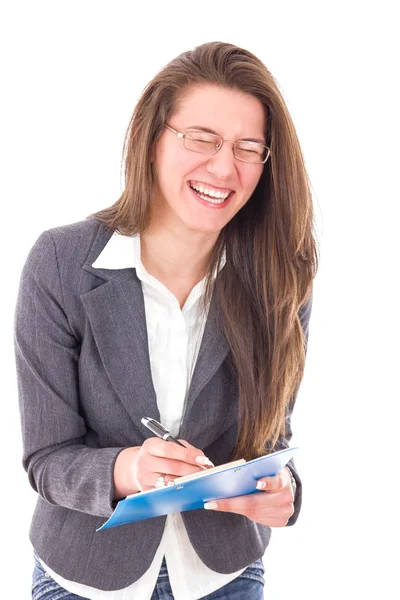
271 252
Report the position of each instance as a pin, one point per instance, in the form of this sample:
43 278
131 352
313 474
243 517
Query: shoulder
70 242
63 250
79 234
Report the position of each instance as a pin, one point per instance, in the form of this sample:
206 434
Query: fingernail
210 505
261 485
203 460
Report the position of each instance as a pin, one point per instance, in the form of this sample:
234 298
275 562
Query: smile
208 200
208 190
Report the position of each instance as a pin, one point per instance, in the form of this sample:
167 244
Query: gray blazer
84 383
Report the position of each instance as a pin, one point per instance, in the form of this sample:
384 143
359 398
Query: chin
204 227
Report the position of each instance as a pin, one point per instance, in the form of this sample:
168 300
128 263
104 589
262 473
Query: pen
159 430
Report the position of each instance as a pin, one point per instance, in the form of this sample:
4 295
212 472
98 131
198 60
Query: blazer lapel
213 351
116 313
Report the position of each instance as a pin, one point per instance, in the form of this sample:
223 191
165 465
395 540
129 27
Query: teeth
211 193
211 201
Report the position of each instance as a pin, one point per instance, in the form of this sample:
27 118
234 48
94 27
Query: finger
175 468
254 505
163 449
169 470
153 480
208 464
274 484
161 480
242 505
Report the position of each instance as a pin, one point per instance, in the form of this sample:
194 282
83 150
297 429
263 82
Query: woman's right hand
138 468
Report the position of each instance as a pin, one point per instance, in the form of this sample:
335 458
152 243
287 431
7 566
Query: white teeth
209 199
211 193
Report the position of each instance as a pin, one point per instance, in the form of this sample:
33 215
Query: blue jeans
249 585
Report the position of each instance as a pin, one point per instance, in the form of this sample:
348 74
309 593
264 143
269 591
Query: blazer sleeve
61 468
304 316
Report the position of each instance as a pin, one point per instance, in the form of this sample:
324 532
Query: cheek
177 165
252 179
189 162
248 179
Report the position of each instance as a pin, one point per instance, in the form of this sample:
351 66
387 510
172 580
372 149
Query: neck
176 256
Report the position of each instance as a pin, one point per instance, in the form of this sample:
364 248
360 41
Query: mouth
202 195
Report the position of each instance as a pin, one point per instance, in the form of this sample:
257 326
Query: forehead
230 113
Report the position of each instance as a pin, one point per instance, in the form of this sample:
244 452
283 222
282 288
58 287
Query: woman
188 301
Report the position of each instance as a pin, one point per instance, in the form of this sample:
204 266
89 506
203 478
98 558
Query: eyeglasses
209 143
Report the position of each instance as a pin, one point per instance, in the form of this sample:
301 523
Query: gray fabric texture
84 383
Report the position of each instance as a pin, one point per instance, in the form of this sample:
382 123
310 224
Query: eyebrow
208 130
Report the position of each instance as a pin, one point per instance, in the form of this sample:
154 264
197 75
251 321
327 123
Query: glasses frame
222 141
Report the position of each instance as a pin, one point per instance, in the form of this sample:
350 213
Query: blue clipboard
191 495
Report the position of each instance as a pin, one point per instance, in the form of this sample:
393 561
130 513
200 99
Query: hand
157 457
272 506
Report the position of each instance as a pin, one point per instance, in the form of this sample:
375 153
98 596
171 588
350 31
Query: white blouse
174 337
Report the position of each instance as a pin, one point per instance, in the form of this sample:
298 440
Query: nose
222 164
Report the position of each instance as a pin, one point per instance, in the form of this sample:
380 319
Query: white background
71 75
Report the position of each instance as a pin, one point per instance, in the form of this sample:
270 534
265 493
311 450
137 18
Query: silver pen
160 431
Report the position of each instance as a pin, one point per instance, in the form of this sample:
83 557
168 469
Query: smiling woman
188 300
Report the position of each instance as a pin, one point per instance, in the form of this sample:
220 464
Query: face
233 115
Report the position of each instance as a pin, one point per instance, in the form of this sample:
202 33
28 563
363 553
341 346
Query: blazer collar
116 313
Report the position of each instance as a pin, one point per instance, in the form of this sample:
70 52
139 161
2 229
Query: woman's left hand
272 506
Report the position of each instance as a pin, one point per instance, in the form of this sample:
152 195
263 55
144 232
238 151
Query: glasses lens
251 152
199 141
208 143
